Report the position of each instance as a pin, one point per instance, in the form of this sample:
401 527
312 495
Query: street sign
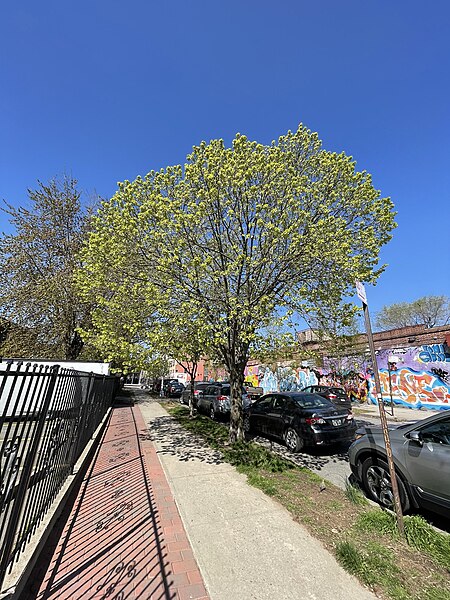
361 292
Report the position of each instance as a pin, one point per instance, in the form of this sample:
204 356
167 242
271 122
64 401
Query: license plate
336 422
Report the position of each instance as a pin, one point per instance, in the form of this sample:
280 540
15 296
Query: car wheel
247 425
377 482
212 412
293 441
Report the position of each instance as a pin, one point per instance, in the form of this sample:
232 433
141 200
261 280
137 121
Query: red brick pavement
124 539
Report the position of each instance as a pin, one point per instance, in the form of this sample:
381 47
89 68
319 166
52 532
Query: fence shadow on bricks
48 415
114 543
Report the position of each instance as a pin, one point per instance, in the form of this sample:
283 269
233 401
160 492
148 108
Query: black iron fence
47 416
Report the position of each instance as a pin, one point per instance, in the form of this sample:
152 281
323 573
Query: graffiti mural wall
419 377
280 378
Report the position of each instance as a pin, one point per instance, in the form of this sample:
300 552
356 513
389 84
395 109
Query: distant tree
37 262
336 327
430 311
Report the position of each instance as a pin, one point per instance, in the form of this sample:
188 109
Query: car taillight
222 398
195 392
314 420
332 396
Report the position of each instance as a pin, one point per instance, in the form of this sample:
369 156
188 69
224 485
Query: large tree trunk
236 414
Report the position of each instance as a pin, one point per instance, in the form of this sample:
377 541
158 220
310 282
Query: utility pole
361 292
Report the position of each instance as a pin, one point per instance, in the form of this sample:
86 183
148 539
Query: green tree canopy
37 262
429 311
238 234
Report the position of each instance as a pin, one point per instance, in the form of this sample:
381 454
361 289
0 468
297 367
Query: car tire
246 424
292 440
212 413
377 483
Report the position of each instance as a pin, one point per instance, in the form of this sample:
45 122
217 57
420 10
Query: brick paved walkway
124 538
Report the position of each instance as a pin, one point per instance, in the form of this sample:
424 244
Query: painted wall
281 378
420 378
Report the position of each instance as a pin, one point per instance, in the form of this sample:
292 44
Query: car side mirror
416 436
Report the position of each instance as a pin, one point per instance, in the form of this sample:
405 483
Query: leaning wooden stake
397 503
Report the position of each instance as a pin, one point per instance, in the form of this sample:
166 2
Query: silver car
199 388
421 452
215 400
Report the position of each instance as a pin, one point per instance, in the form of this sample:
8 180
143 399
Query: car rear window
337 391
311 401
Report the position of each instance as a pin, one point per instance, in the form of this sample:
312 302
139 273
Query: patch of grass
241 454
312 477
418 533
421 536
354 494
215 434
436 593
335 505
377 521
350 557
374 566
252 455
261 482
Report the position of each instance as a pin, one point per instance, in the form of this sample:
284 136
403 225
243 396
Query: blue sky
107 90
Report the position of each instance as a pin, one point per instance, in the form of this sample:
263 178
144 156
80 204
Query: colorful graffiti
434 353
419 376
282 379
355 384
415 389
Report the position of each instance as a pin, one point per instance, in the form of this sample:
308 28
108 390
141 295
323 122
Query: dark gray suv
215 400
421 452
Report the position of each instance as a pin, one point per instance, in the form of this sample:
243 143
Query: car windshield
311 401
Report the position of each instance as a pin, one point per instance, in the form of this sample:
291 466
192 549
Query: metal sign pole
396 496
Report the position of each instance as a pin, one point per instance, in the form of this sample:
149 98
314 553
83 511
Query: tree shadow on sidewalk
173 439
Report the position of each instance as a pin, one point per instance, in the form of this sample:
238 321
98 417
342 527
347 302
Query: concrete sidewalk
247 545
401 413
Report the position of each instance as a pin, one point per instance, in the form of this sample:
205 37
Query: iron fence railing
47 416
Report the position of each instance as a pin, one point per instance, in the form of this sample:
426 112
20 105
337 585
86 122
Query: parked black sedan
174 389
300 420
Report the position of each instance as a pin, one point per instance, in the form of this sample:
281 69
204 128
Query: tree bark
191 395
236 413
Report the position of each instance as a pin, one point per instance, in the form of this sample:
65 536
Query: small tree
38 260
182 336
245 231
429 311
